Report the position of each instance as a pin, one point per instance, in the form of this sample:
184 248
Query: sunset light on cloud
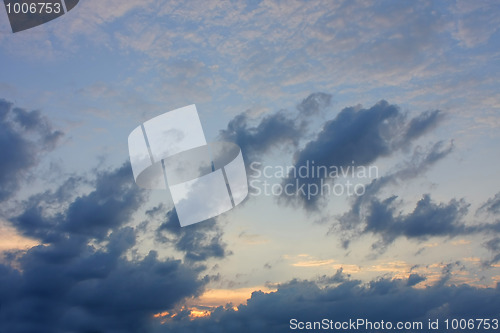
369 133
11 240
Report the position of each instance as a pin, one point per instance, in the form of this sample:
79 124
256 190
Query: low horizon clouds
344 299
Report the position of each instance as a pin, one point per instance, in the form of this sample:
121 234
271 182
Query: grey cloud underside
421 124
427 219
24 137
283 128
272 131
382 299
198 242
76 288
314 104
491 210
492 206
110 205
354 223
68 285
380 216
493 245
420 161
358 137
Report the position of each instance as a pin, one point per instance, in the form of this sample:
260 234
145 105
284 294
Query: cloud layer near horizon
381 299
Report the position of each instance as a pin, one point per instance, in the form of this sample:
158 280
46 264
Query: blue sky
410 88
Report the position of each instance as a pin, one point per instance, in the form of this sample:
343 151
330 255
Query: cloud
338 277
356 137
415 279
419 162
422 124
382 217
492 206
272 131
83 289
426 220
110 205
33 121
314 103
25 136
381 299
493 245
80 279
198 241
282 128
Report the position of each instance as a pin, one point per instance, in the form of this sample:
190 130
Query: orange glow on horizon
313 263
196 313
222 297
11 240
161 314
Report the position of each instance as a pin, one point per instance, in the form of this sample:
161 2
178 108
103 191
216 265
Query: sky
398 101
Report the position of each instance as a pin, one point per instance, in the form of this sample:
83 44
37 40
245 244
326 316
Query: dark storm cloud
24 137
69 285
426 220
421 160
111 204
198 241
275 130
382 299
415 279
358 137
381 217
272 131
90 290
352 224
